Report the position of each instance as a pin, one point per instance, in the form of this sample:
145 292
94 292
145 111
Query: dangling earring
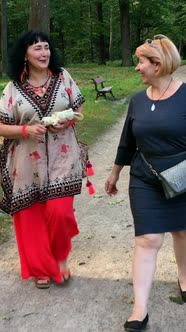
24 73
49 72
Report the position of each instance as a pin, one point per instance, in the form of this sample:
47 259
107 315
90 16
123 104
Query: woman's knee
150 241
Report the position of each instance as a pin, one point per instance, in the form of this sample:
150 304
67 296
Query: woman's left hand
62 124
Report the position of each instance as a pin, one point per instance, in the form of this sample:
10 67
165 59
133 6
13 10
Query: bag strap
153 171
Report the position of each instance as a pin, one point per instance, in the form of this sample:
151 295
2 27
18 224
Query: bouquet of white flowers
57 116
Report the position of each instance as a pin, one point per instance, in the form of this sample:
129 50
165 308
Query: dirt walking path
99 296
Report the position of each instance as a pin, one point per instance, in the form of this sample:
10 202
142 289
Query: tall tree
4 52
111 32
39 17
101 38
125 33
90 30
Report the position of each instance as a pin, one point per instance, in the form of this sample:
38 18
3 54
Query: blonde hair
163 51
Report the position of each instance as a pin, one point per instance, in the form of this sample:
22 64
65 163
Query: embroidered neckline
42 102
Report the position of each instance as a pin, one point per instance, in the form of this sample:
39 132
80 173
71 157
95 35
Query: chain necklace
154 102
39 89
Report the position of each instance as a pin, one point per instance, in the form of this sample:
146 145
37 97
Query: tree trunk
101 40
39 18
4 52
62 47
111 32
90 31
125 33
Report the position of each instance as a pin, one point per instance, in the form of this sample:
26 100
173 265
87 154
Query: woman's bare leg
179 242
144 265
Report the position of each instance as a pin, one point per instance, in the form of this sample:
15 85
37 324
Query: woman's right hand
110 184
36 131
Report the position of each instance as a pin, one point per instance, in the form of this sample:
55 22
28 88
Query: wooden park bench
101 90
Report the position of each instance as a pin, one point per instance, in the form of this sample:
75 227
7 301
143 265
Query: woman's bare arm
15 131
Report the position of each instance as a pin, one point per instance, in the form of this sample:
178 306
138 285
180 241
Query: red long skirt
43 233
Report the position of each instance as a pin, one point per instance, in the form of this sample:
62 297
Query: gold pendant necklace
153 106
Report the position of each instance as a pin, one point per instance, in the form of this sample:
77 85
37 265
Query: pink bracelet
24 133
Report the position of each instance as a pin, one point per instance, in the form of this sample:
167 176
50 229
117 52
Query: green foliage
3 82
176 299
17 12
153 17
75 28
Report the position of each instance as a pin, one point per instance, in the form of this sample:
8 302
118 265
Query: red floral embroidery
64 148
35 154
12 149
10 103
14 172
69 91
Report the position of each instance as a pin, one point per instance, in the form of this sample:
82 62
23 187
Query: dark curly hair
17 56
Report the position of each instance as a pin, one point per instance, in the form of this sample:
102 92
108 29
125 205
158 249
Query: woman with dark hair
17 56
41 167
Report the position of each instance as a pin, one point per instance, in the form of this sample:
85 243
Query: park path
99 296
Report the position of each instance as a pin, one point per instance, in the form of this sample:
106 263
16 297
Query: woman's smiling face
38 56
147 69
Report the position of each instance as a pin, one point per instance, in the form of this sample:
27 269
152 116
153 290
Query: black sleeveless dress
159 135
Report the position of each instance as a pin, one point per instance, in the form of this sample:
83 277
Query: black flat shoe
136 325
183 293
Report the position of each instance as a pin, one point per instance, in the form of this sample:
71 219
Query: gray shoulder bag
173 179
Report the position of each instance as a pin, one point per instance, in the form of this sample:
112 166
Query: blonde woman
156 127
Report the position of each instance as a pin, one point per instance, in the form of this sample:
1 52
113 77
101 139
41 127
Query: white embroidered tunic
33 170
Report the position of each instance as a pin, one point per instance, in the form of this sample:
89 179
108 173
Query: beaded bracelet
24 133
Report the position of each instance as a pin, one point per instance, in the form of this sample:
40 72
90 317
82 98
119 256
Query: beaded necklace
39 89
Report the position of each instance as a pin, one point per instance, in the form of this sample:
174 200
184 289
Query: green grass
5 227
98 116
176 299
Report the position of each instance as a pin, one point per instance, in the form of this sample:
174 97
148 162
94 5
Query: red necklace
38 89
